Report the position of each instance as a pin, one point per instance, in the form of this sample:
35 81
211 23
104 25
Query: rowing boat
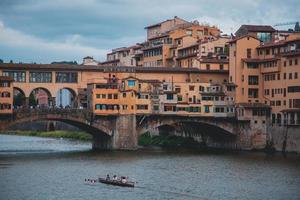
116 182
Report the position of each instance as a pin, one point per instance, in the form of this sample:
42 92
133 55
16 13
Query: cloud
75 28
42 50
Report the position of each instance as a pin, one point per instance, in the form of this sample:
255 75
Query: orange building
6 95
266 73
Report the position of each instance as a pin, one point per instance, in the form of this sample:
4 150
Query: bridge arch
94 130
41 97
211 130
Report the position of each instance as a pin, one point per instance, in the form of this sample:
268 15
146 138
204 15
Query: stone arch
37 97
217 128
81 124
71 95
19 98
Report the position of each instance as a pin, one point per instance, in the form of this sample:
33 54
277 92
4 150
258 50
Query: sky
44 31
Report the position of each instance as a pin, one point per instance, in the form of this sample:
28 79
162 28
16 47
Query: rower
107 177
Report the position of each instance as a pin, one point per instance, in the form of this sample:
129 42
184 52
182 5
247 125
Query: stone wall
278 134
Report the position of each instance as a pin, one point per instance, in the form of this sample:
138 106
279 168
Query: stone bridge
122 131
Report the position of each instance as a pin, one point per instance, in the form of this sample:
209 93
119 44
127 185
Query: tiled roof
279 43
64 67
238 38
257 60
252 105
258 28
213 60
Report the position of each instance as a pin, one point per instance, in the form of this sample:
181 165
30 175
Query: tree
1 61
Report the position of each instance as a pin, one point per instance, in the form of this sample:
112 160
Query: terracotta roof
110 61
279 43
158 24
213 60
189 46
6 78
238 38
253 105
258 28
291 53
68 67
150 81
159 36
257 60
291 110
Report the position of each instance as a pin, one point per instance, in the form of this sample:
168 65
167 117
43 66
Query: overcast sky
43 31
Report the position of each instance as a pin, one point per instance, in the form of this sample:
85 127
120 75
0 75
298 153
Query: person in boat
115 178
107 177
123 179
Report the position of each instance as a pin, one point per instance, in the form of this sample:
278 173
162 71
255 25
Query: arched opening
19 99
66 98
41 98
194 134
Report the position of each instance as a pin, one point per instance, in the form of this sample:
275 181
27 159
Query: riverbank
77 135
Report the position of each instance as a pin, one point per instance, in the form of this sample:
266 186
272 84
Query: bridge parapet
83 114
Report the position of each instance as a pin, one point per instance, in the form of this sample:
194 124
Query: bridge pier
124 135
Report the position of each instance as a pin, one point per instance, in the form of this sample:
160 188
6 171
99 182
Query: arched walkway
66 98
19 98
40 97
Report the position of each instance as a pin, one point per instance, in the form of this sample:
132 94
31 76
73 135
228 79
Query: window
109 96
200 32
267 51
253 93
290 62
207 66
221 67
206 109
18 76
278 76
290 75
179 98
248 53
296 75
191 87
98 96
170 97
142 107
115 96
66 77
293 89
40 77
131 83
284 75
284 63
296 61
253 80
264 37
189 32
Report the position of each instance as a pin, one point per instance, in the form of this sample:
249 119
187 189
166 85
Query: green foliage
167 141
78 135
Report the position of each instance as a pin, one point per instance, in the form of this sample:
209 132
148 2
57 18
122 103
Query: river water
40 169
